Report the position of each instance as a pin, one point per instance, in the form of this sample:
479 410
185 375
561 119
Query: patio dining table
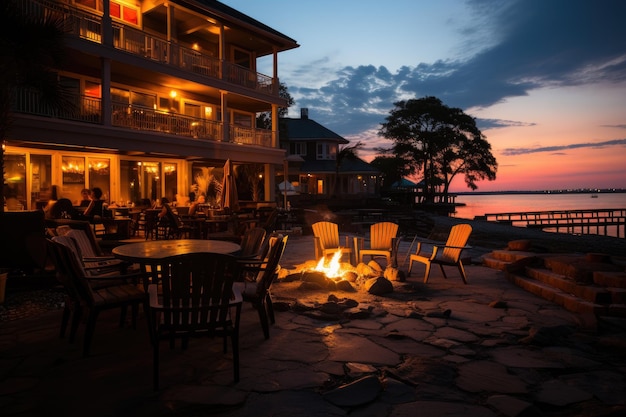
155 250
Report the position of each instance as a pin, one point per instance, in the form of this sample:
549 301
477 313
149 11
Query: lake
479 205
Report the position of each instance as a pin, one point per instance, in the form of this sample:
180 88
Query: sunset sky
545 79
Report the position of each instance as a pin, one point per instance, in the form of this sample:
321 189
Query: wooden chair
328 241
251 242
384 241
113 291
448 254
256 287
195 297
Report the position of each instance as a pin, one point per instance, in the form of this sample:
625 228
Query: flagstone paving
439 349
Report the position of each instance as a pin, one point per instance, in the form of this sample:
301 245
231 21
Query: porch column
107 24
269 182
225 116
105 100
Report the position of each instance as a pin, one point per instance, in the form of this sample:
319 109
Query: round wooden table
153 250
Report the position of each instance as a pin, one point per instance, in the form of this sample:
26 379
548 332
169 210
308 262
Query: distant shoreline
594 191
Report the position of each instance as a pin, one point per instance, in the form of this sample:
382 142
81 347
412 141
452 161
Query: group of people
63 208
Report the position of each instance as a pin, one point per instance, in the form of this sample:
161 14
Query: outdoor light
173 94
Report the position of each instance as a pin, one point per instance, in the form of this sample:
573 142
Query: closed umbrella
230 198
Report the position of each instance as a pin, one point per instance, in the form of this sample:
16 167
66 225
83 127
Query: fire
333 267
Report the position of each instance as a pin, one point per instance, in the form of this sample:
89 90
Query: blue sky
545 79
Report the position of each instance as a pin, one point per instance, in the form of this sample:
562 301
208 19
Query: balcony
88 26
88 109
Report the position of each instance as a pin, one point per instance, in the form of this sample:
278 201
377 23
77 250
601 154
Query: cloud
556 149
520 46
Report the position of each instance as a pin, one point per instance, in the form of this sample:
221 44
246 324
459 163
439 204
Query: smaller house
317 174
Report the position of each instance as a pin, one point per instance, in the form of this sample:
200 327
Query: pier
607 222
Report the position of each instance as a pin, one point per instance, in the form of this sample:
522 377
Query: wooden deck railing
607 222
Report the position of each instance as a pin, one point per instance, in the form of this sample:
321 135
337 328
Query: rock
548 336
394 274
378 286
362 391
375 266
344 285
498 304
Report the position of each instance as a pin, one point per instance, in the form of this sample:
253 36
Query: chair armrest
318 247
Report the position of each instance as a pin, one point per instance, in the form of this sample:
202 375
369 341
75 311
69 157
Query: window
124 12
297 148
326 150
143 100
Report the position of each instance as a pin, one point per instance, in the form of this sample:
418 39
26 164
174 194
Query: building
314 149
163 93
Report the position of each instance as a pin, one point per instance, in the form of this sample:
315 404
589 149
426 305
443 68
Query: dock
606 222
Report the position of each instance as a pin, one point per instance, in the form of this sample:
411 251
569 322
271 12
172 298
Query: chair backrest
196 290
459 234
276 249
270 223
85 244
382 235
327 233
70 271
251 241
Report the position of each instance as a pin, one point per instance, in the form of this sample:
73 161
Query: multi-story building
163 92
314 170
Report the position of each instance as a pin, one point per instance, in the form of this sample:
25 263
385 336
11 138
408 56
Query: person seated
86 197
64 209
193 209
96 206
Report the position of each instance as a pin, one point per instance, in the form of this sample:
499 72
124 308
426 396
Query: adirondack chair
328 241
448 254
384 241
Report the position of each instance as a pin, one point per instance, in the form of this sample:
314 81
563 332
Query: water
479 205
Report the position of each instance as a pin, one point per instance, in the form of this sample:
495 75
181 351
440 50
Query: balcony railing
88 109
88 26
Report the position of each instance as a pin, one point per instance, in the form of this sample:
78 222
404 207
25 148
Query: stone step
510 255
610 279
592 293
494 263
568 301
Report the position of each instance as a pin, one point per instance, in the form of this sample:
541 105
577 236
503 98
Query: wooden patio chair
251 242
384 241
328 241
261 274
448 254
195 298
84 296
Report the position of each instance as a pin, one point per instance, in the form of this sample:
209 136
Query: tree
264 120
440 141
393 168
31 46
348 152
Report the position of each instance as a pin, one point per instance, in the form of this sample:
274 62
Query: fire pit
330 274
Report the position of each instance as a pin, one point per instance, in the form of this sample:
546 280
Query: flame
331 268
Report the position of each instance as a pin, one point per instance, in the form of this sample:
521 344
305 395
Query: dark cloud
556 149
531 44
484 124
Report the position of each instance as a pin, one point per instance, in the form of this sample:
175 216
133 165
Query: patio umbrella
230 198
286 188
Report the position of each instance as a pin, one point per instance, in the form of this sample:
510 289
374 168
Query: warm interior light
208 112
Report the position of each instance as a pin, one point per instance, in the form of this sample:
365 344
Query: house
163 93
316 172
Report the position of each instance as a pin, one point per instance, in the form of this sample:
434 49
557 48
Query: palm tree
348 152
31 46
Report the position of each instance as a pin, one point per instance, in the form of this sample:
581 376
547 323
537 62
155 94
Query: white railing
89 109
89 26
